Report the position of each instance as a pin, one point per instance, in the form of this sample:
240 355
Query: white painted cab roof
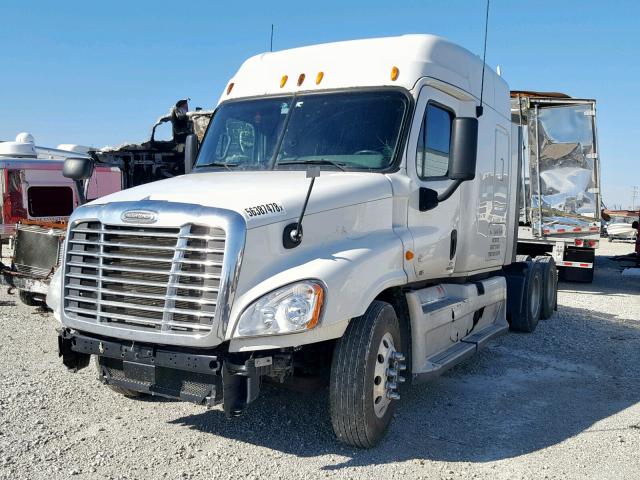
367 63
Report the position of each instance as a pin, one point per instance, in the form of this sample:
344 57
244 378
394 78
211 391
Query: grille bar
149 296
149 247
149 234
137 306
143 321
145 283
98 266
146 259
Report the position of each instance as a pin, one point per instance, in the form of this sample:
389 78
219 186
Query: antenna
480 109
271 44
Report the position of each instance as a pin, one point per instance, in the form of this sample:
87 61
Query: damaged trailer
560 180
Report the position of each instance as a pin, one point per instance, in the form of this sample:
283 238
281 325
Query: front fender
355 269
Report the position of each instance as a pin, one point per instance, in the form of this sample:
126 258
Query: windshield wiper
218 164
321 161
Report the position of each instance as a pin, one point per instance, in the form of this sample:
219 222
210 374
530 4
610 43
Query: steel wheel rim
386 350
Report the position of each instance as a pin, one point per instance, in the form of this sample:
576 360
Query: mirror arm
449 191
81 188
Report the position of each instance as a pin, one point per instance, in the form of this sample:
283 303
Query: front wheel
365 373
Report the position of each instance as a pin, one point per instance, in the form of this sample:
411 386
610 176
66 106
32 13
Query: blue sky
100 73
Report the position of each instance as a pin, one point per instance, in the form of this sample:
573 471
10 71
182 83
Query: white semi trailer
351 213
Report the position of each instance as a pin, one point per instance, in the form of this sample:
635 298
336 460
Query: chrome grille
165 280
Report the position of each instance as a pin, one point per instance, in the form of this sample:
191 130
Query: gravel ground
560 403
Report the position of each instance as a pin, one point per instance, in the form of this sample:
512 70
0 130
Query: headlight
289 309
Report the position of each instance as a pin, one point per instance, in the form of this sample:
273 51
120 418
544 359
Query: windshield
354 130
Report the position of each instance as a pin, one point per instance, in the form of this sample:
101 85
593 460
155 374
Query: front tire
361 409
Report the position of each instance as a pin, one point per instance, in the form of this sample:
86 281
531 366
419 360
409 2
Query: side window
432 157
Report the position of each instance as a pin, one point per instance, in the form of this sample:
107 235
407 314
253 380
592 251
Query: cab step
458 352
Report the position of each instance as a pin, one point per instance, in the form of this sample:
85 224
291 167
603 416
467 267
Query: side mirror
78 168
462 161
464 149
190 152
80 171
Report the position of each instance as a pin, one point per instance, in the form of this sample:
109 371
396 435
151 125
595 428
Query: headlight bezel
316 315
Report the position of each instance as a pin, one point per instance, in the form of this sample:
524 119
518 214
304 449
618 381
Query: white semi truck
351 214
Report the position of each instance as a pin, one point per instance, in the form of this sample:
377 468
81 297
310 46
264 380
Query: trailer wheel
549 286
120 390
532 300
364 376
30 299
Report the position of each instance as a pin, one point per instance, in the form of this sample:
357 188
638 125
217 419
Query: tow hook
396 366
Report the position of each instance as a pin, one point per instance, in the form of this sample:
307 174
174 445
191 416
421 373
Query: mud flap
515 275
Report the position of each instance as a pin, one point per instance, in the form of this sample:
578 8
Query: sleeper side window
432 157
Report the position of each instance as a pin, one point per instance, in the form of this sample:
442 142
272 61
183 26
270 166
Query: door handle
454 244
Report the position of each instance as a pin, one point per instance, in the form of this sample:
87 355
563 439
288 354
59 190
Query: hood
262 197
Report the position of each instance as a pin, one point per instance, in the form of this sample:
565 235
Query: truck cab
350 215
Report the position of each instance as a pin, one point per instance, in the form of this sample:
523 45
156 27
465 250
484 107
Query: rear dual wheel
529 314
549 300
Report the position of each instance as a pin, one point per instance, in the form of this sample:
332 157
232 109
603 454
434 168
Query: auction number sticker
265 210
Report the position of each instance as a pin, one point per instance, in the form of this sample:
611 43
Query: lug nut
401 366
392 385
393 395
398 357
392 372
400 379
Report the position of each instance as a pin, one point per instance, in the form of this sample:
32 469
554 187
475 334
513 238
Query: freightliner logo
139 216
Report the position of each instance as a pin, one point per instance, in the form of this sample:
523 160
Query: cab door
435 232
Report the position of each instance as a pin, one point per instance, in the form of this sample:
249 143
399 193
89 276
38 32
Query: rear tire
549 286
360 415
532 300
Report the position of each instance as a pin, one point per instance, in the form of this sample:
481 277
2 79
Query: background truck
351 216
36 203
560 193
156 159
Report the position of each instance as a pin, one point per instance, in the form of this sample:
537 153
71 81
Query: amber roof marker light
301 78
395 72
283 80
319 77
230 87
